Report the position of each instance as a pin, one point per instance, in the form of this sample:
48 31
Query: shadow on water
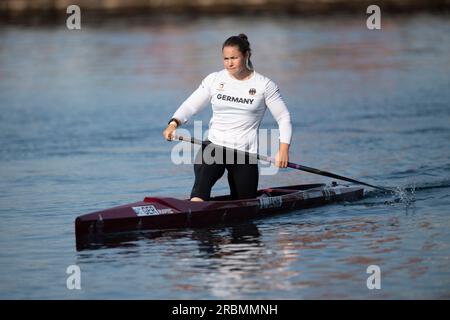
210 243
209 240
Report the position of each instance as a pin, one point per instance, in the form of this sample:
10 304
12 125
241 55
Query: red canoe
168 213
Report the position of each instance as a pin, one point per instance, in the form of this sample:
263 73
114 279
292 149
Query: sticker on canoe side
270 202
150 211
145 211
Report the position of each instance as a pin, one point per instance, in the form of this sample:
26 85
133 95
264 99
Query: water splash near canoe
405 195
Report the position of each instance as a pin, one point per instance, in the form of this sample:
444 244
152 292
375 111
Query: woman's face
233 60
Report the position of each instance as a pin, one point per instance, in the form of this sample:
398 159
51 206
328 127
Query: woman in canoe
239 97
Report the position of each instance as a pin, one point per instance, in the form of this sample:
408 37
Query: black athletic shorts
242 172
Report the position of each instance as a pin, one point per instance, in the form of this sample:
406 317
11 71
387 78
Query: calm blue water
81 120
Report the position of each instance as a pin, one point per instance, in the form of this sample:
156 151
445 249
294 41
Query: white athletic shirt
238 109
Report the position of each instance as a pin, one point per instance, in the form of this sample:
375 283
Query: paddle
290 164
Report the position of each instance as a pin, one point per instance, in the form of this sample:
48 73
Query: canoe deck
156 213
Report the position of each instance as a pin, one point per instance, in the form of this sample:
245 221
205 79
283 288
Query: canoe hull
170 213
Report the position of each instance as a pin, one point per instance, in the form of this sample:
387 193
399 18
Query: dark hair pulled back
240 41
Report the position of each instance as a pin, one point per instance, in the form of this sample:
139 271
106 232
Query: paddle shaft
290 164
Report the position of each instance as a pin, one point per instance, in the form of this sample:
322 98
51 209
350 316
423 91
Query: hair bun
243 36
